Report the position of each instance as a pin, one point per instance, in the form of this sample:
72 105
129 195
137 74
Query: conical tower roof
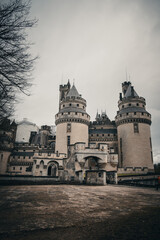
73 92
129 92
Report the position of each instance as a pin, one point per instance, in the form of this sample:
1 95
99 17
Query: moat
79 212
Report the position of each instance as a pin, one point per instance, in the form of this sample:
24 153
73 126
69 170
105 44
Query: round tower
72 121
133 126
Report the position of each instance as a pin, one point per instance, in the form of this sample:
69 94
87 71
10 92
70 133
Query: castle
81 151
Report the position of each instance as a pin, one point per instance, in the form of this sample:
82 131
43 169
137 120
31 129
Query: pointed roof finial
97 115
126 75
68 83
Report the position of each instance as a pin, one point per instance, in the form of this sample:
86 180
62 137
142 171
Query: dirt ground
79 212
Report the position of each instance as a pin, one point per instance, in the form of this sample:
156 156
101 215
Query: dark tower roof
73 92
130 92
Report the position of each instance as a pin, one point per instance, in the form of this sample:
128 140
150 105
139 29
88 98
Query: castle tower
72 120
133 126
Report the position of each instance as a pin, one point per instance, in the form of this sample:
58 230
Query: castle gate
53 169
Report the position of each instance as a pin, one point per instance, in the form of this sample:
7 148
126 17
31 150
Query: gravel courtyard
79 212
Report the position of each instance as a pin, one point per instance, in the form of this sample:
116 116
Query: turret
72 121
64 89
133 125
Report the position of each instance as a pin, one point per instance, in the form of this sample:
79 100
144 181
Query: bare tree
16 62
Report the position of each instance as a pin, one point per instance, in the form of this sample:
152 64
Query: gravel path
79 212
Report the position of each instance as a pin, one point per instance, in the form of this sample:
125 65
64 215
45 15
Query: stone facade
82 151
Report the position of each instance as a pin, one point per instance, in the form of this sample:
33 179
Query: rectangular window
68 140
135 126
68 127
151 156
150 143
121 153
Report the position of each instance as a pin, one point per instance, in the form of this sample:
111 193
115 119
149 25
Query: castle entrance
92 163
52 170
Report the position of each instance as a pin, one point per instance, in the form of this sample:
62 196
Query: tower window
136 129
68 127
63 105
68 113
129 104
121 153
151 156
137 104
150 143
135 113
68 140
77 105
76 113
122 106
142 113
70 104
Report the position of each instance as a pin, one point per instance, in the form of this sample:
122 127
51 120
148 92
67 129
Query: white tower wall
79 133
135 148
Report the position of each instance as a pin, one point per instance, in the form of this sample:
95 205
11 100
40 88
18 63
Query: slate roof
132 109
102 131
73 92
26 122
129 92
72 109
22 154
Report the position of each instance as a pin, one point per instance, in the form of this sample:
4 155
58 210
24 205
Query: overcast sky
93 42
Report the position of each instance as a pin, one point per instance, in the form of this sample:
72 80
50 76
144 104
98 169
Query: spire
97 115
73 92
68 83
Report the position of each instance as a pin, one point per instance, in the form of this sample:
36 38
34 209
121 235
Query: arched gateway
53 169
